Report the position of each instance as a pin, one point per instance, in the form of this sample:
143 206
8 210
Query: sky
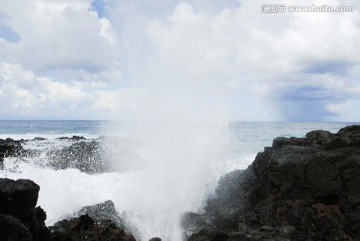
104 59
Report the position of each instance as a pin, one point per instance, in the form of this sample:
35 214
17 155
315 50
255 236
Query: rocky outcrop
85 228
298 189
103 211
99 222
104 154
20 219
9 147
87 156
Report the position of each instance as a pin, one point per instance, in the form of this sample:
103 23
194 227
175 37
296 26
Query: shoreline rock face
298 189
9 147
85 228
21 220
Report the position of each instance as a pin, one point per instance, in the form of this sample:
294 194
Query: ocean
165 170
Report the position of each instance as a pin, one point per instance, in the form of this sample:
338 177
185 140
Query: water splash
179 141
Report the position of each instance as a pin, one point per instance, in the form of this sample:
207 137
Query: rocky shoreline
299 189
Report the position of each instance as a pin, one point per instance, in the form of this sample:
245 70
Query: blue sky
103 59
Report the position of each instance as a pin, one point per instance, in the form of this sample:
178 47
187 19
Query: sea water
29 129
182 162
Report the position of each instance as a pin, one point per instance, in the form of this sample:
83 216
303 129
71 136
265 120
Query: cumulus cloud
293 66
26 95
60 37
295 58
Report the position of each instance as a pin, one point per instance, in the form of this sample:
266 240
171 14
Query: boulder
103 211
87 156
9 147
155 239
85 228
13 229
24 221
18 198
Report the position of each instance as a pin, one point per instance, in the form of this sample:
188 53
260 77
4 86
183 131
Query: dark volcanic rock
103 211
74 138
13 229
19 219
8 147
87 156
18 198
84 228
298 189
155 239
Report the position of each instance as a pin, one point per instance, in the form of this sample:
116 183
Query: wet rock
298 189
39 139
17 207
323 174
87 156
103 211
193 223
74 138
318 137
155 239
9 147
85 228
13 229
18 198
209 235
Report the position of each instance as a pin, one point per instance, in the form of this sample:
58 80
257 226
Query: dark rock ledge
298 189
21 220
9 147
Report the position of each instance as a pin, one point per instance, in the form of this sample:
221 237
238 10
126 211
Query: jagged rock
193 223
87 156
209 235
103 211
13 229
155 239
298 189
84 228
20 220
18 198
17 207
74 138
8 147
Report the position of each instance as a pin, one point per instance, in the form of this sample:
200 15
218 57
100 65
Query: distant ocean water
29 129
244 131
246 137
182 167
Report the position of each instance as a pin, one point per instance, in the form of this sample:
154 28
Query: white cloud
60 36
270 53
337 108
26 95
120 103
182 49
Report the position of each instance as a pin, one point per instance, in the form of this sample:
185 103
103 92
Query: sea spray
179 142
